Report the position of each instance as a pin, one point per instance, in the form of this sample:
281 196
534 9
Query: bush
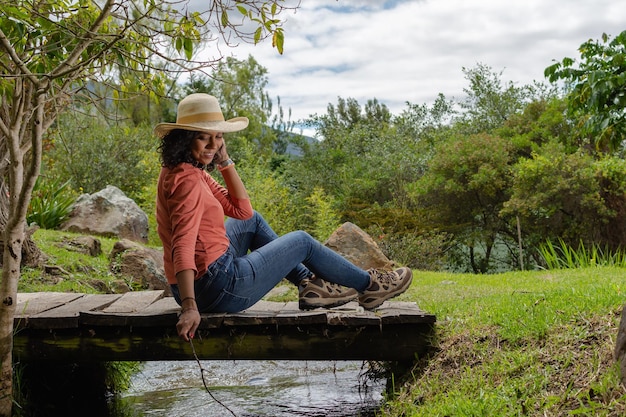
51 203
91 154
424 251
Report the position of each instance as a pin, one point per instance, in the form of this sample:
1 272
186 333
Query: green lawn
518 344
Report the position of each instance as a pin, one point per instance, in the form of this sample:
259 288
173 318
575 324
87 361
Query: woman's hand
189 319
221 155
188 323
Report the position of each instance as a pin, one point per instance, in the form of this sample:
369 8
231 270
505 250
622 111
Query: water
252 388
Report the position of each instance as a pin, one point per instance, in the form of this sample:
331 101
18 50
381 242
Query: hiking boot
385 285
316 292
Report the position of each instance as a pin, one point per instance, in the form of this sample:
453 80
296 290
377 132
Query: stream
252 388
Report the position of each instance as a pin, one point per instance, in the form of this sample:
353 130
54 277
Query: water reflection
252 388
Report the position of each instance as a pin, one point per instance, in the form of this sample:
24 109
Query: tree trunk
13 237
21 183
32 256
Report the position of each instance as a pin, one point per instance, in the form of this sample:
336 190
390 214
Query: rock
87 245
119 286
108 213
358 247
142 265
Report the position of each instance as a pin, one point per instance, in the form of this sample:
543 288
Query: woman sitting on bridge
214 265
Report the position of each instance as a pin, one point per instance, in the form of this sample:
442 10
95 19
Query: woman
214 265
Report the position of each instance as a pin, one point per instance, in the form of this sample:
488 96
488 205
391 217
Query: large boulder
358 247
108 213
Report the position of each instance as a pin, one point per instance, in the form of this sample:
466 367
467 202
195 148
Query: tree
488 103
569 196
597 90
463 191
53 52
367 156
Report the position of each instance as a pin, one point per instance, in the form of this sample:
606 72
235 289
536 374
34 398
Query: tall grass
564 256
51 203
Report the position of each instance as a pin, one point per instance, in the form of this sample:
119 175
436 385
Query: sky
410 51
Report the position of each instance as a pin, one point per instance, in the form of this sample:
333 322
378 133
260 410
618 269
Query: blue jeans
258 259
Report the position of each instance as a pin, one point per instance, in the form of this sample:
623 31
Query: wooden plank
291 314
163 305
134 301
163 312
402 343
403 313
141 326
212 320
352 314
43 301
263 312
23 297
67 315
135 308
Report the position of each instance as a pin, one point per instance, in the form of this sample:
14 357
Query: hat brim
231 125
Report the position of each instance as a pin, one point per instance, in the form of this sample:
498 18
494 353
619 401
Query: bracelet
225 164
187 298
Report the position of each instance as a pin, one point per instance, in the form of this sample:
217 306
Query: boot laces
383 277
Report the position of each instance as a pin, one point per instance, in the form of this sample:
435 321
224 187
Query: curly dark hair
175 147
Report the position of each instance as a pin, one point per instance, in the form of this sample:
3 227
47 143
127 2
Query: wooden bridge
140 326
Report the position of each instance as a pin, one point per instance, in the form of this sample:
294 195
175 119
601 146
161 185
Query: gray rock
108 213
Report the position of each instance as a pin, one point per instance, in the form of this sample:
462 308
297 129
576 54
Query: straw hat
201 112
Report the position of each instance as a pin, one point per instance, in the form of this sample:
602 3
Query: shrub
51 203
563 256
93 154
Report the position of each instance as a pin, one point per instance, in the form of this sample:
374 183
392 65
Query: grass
75 272
533 343
518 344
562 255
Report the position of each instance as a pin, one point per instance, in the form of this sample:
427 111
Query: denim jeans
258 259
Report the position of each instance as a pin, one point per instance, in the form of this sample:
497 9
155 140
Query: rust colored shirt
190 211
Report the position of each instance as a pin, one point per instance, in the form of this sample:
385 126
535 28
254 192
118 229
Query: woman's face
205 146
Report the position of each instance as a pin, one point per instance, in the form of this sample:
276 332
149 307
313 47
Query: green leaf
224 18
278 40
188 48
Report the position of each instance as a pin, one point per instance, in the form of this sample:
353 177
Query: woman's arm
234 198
227 168
189 319
235 186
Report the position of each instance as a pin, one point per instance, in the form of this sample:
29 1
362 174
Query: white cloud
413 51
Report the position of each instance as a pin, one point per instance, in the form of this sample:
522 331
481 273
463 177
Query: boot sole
324 303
